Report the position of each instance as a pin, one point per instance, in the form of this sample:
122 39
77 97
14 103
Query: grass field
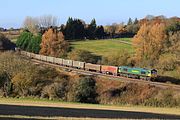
104 47
56 103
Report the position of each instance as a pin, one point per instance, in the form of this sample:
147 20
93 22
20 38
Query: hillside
104 47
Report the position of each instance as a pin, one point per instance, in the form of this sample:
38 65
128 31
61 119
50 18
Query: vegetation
20 78
53 43
77 29
157 44
103 47
86 90
29 42
5 43
84 56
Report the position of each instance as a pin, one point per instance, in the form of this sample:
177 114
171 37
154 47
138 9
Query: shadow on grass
34 111
167 79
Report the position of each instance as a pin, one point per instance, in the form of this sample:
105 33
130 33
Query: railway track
111 77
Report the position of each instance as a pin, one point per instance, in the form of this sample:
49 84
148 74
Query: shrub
5 43
167 62
86 90
56 90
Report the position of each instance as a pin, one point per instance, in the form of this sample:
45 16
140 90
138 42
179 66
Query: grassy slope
104 47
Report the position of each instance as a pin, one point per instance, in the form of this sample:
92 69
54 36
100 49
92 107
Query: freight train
124 71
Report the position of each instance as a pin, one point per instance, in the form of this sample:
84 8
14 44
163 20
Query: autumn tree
53 43
149 43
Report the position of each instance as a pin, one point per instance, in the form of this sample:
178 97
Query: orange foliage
53 43
149 41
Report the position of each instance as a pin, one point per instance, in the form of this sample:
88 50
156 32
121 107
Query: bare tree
47 21
34 23
31 24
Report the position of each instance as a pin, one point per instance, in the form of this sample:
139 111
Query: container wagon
58 61
78 64
111 70
50 59
68 63
43 58
92 67
38 57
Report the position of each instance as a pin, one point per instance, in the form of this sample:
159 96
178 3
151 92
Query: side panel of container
109 69
38 57
50 59
89 66
67 62
43 58
79 64
58 61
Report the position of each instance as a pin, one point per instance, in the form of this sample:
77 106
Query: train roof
137 68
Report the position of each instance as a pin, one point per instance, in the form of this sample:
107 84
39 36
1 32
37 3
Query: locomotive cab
153 73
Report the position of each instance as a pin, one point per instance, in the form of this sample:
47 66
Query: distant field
104 47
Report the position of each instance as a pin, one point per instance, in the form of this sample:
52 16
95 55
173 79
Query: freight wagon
43 58
50 59
112 70
68 63
58 61
92 67
38 57
78 64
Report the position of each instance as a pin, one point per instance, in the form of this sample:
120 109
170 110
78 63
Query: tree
86 90
53 43
24 40
31 24
28 41
149 43
47 21
35 24
136 21
99 33
130 22
74 29
91 29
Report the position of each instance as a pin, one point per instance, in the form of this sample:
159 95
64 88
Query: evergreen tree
130 22
136 21
99 33
91 29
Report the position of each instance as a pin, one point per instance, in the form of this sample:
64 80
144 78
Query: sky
13 12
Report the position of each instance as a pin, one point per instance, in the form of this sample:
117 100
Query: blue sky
13 12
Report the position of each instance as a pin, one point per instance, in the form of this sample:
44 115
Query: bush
83 55
167 62
56 90
86 90
5 43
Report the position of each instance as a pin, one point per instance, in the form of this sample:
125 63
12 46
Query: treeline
77 28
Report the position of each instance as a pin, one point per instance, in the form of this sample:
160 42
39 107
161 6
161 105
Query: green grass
14 40
104 47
